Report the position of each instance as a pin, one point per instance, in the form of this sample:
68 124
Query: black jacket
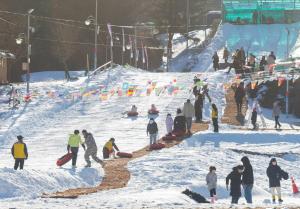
247 177
179 123
152 128
275 174
235 182
239 94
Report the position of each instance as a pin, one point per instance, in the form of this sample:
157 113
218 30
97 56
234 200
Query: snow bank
51 76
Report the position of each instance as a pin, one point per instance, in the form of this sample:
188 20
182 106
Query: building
4 57
261 11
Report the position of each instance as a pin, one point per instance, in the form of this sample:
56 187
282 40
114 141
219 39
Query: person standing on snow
276 113
108 148
91 149
214 117
73 146
152 130
235 183
239 95
19 152
247 179
198 107
189 113
216 61
169 124
263 63
211 182
254 118
179 122
275 174
226 55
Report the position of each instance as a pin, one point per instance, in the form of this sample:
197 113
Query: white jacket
188 110
169 124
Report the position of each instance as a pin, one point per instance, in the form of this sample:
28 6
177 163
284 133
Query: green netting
261 11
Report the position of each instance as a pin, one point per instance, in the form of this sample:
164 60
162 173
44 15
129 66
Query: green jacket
74 140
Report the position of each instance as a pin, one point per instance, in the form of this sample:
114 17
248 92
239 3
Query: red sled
153 112
132 114
157 146
64 159
169 138
178 133
124 155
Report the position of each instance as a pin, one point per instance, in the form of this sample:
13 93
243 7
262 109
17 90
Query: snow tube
124 155
151 112
132 114
169 138
178 133
157 146
64 159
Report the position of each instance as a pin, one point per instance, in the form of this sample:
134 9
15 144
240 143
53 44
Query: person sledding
153 110
19 152
91 149
132 112
275 175
73 146
109 149
152 130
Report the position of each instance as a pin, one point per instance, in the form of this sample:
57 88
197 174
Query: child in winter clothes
214 117
275 174
169 124
152 130
211 181
235 183
153 108
254 118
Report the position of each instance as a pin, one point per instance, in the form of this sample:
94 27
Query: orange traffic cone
294 186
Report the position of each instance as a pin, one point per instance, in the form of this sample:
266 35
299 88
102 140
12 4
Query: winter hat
212 168
169 114
273 160
20 137
179 111
112 139
84 131
76 132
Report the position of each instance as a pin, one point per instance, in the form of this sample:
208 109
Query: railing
99 69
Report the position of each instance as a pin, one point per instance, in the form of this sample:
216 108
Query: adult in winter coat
276 113
19 152
239 95
91 149
247 179
152 130
226 55
73 146
214 117
254 118
263 63
275 174
271 58
242 56
199 102
235 183
216 61
109 148
211 182
189 113
179 122
169 124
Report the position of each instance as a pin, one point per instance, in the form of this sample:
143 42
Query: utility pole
187 22
28 49
96 37
135 47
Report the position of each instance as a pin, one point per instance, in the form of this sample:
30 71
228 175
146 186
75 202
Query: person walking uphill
239 95
19 152
189 113
179 122
235 183
109 147
216 61
152 130
198 107
214 117
275 174
91 149
211 181
247 179
276 113
73 146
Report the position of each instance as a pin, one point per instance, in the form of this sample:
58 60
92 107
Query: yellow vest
109 146
19 151
214 114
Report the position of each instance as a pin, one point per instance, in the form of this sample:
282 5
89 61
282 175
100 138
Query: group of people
242 176
243 63
20 153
